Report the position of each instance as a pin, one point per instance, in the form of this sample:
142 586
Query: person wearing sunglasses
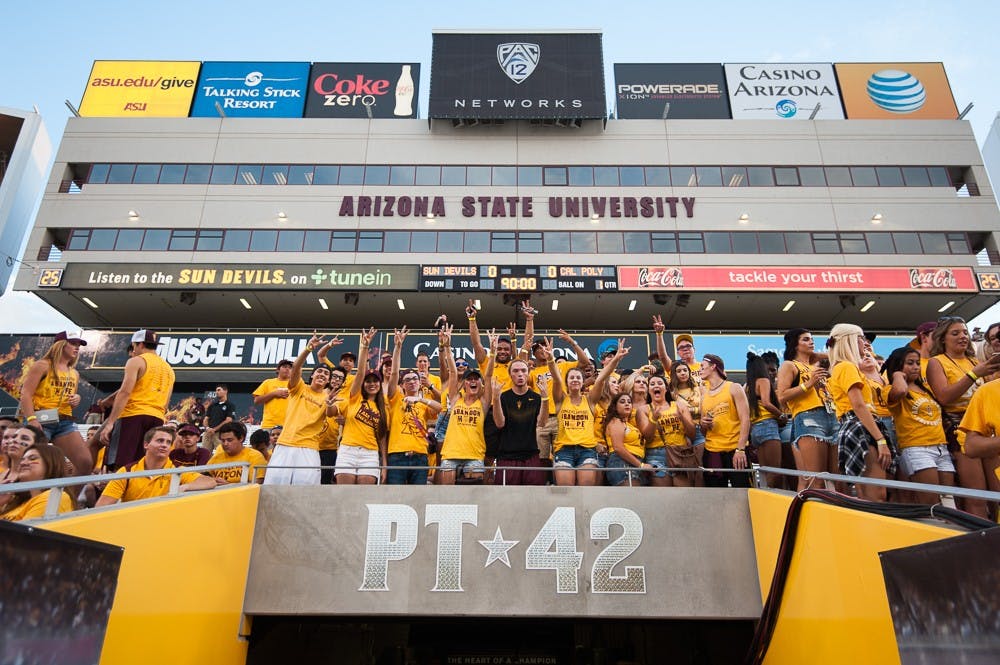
409 414
954 375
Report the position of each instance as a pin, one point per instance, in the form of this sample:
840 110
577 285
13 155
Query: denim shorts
620 477
817 423
765 430
918 458
574 457
657 458
465 466
699 436
59 428
406 476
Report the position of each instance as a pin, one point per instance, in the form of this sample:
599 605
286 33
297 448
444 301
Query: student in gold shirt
231 437
469 397
726 422
41 461
273 394
409 414
364 436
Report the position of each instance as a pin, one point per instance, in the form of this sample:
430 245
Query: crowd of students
928 413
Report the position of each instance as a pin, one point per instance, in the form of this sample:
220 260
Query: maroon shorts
511 472
126 440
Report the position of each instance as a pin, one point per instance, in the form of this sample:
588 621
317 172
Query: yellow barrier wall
834 608
182 579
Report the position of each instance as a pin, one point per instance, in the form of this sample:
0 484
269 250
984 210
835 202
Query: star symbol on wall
498 548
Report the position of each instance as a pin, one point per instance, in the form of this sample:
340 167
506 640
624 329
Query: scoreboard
518 279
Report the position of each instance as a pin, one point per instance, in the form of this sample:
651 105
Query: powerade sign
784 91
670 91
526 76
251 89
363 90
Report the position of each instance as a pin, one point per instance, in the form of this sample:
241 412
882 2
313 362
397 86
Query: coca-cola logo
661 278
932 278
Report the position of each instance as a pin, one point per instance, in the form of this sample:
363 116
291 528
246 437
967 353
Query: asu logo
518 59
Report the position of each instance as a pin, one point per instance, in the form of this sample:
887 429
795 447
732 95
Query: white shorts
357 461
290 456
918 458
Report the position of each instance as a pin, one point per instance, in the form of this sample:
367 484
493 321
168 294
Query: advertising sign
733 349
752 278
139 88
194 276
251 89
783 91
670 91
363 90
517 76
896 90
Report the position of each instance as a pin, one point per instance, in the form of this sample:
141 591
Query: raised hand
658 326
400 335
470 309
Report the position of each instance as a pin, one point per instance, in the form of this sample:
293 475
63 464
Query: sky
51 46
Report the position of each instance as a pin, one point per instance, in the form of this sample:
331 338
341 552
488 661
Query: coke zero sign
363 90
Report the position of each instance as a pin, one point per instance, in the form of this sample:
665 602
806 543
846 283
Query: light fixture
89 302
555 305
631 306
877 218
400 304
282 217
133 216
710 306
595 218
478 304
430 217
946 306
867 306
788 305
322 303
744 218
243 301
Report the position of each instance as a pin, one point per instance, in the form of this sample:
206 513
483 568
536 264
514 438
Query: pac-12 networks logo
518 59
661 278
932 278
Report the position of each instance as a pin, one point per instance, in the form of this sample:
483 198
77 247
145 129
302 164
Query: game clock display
518 279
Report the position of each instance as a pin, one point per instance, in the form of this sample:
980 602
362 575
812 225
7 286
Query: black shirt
219 411
517 438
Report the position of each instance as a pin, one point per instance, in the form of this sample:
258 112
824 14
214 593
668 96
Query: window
275 175
709 176
401 175
529 242
907 243
811 176
397 241
172 174
452 175
223 174
664 243
838 176
718 243
503 241
78 239
450 241
864 176
376 175
121 174
344 241
423 241
934 243
889 176
771 242
101 239
657 176
557 242
744 243
291 240
682 176
180 240
317 241
156 239
631 176
529 175
760 176
263 241
581 176
300 174
146 174
370 241
349 175
98 173
853 243
939 176
798 243
606 176
636 243
477 241
505 176
236 241
330 175
880 243
691 243
734 176
428 175
209 240
554 175
477 175
916 176
958 243
249 174
785 176
610 243
826 243
583 242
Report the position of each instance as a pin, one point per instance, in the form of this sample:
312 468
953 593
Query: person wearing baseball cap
140 403
273 394
49 394
186 450
684 344
726 422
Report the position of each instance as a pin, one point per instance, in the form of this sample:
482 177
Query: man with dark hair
141 401
273 394
231 437
219 412
156 443
518 413
186 450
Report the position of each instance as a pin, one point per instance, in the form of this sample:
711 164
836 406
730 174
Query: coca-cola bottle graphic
404 93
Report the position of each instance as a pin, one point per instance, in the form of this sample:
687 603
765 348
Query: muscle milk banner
783 91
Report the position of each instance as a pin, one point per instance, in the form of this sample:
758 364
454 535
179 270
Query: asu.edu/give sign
752 278
129 88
